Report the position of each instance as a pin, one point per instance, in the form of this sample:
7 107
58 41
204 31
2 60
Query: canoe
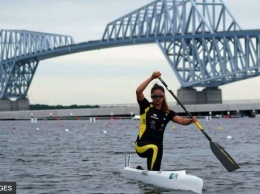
176 180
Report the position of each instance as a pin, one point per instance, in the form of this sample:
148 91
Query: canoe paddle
226 160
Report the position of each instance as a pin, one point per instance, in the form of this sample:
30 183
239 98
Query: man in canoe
154 116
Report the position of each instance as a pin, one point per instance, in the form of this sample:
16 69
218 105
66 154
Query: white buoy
37 129
31 117
67 130
92 119
208 118
105 131
229 137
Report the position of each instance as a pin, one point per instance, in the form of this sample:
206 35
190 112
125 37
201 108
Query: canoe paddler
154 117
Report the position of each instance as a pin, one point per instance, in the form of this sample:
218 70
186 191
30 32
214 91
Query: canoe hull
177 180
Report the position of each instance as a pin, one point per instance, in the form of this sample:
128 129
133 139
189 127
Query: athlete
154 116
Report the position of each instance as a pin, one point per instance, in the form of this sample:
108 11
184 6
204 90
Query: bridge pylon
19 59
201 40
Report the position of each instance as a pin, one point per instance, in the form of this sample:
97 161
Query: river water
79 156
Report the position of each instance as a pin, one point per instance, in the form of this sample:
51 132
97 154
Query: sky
107 76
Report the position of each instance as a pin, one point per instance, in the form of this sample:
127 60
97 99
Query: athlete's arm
141 88
184 121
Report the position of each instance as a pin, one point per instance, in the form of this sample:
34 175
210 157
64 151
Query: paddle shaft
187 112
226 160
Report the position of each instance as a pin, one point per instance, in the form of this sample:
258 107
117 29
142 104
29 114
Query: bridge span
201 40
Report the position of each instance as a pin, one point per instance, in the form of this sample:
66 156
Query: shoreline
130 111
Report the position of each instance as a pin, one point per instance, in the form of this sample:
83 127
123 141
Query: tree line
54 107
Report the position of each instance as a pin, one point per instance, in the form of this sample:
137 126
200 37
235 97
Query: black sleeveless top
153 122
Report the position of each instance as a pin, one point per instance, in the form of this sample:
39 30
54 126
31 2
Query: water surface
68 157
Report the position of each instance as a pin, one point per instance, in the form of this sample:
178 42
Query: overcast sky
107 76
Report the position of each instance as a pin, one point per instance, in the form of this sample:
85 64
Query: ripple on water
85 160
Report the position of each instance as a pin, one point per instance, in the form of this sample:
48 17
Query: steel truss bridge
201 40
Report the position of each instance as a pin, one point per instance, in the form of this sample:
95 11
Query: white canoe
177 180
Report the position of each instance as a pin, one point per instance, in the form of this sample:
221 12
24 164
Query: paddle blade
225 159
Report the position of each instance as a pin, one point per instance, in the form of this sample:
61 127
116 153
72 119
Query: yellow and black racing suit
149 143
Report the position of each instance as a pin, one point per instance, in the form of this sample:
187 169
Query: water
69 157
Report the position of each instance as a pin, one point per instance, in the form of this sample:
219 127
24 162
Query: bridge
201 41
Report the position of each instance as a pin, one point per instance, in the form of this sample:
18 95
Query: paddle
226 160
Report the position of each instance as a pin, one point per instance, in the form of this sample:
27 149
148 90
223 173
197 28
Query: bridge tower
201 40
20 53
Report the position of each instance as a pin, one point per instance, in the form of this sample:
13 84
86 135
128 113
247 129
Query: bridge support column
17 105
5 104
206 96
187 95
212 95
20 104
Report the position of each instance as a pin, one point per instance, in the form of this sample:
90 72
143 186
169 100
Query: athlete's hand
156 74
194 119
